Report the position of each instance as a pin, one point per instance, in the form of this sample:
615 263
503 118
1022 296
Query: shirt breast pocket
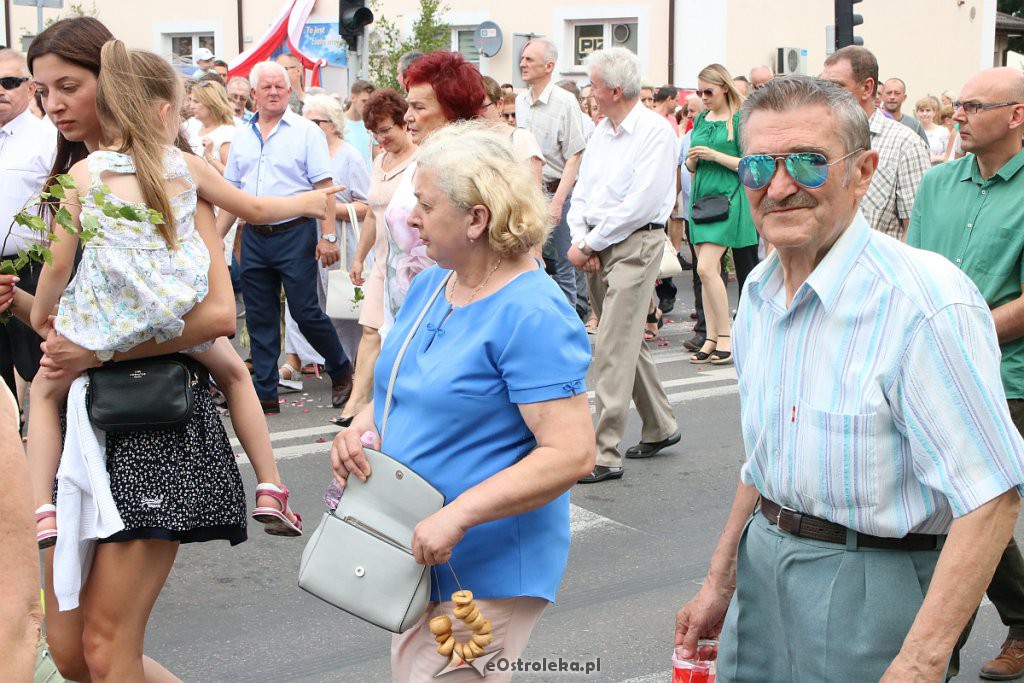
835 458
1000 262
619 180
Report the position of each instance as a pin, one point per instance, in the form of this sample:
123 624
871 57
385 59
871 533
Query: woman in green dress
713 158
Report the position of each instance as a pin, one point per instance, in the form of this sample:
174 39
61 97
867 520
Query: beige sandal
289 377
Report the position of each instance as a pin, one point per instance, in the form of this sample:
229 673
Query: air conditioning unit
791 60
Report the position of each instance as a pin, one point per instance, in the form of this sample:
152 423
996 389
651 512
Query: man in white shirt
27 149
625 193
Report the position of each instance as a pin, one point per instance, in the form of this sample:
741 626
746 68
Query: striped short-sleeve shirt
554 119
873 400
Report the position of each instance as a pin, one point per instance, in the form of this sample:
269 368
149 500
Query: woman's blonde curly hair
476 166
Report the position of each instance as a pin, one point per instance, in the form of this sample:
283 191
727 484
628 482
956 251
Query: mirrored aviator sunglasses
807 169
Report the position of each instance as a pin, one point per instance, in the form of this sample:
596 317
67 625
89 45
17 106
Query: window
462 42
185 45
590 36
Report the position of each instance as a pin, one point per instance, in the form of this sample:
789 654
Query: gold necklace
455 280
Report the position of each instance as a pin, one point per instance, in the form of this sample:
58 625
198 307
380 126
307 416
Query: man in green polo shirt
972 212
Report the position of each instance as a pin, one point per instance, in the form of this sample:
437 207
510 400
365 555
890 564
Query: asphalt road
640 549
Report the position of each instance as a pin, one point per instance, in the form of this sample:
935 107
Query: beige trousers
623 365
414 657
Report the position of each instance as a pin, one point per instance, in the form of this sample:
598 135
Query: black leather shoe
341 390
646 450
270 406
601 473
666 305
342 422
694 343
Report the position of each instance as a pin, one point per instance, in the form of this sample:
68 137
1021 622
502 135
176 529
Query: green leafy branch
39 252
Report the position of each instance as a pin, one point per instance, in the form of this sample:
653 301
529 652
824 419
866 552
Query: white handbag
360 557
670 265
344 299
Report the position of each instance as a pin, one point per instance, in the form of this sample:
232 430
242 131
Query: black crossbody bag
144 395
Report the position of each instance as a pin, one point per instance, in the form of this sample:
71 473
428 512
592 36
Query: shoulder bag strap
401 354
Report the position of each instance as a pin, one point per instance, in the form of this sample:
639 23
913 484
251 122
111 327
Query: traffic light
846 20
353 15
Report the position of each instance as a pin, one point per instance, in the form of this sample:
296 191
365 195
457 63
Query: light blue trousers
807 611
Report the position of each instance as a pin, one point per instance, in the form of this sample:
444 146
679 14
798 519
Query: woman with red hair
443 87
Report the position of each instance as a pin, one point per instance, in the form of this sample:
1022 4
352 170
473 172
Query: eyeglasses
381 132
706 92
509 116
12 82
807 169
970 107
320 121
238 98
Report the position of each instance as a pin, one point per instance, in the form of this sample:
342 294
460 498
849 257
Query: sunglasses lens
11 82
807 169
756 170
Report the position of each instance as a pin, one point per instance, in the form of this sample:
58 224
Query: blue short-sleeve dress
455 419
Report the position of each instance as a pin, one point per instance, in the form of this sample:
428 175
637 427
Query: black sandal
701 356
721 357
651 319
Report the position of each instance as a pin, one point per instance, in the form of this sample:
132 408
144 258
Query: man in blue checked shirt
883 470
280 154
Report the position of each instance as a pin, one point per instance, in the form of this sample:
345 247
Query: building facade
933 45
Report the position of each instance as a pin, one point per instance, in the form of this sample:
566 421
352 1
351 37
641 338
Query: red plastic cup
698 669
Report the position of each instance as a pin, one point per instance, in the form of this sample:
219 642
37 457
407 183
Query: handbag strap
353 219
401 353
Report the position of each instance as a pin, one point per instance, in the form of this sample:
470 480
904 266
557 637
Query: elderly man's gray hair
618 68
406 60
9 55
793 92
263 68
550 49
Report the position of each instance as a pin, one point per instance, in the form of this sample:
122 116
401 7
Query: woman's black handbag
143 395
710 209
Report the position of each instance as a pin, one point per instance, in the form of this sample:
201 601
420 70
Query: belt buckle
778 517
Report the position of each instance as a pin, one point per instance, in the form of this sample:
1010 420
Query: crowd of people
489 231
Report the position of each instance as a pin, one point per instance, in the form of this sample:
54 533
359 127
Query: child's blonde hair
131 83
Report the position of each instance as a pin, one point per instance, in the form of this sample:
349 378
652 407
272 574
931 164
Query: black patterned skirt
180 484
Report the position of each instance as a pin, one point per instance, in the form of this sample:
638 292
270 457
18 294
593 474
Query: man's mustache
800 200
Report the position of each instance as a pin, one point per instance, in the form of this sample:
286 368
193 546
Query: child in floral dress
138 275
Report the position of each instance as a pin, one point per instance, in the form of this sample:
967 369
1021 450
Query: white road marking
582 520
327 429
720 375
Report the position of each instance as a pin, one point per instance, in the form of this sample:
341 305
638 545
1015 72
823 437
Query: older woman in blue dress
489 402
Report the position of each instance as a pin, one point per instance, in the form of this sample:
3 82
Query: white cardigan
85 505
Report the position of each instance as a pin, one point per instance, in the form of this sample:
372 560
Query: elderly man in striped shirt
883 471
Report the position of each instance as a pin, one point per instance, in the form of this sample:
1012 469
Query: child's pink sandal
276 519
48 536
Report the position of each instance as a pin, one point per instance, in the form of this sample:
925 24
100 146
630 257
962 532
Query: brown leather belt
806 526
271 229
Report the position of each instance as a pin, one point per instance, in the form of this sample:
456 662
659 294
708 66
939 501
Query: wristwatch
104 356
332 238
584 247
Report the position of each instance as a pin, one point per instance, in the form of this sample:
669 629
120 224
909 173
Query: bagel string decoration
469 614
